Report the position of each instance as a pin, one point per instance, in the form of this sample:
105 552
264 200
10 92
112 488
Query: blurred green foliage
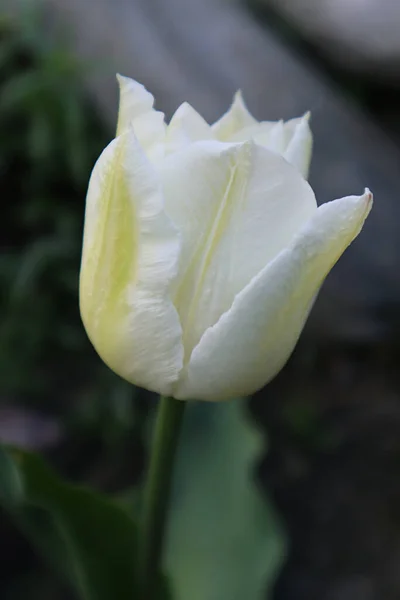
88 538
50 137
226 541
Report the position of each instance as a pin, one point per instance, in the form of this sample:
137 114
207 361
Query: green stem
156 493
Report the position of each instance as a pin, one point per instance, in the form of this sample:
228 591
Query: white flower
204 247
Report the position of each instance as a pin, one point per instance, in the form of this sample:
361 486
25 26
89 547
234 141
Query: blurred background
330 464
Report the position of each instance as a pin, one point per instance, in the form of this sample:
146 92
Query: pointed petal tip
238 96
239 101
122 79
303 123
369 194
128 82
182 110
367 199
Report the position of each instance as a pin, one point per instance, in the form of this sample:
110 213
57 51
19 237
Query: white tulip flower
204 247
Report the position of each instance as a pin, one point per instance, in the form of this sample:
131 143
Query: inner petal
186 126
234 120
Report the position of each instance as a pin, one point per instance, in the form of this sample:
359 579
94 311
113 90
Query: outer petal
252 341
136 110
234 120
130 256
237 206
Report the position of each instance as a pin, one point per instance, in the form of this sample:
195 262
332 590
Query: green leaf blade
91 536
225 541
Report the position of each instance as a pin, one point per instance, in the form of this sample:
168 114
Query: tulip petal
252 341
236 206
299 144
130 256
234 120
292 139
185 127
136 110
270 134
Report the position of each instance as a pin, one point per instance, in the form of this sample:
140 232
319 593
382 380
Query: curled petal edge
252 341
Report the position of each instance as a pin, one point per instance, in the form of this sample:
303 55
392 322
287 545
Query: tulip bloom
204 247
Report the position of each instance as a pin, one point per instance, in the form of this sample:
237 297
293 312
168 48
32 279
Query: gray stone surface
202 52
358 34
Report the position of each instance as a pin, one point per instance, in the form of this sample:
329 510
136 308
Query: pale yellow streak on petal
110 249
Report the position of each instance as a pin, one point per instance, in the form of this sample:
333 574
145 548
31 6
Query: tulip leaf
225 541
88 536
11 488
